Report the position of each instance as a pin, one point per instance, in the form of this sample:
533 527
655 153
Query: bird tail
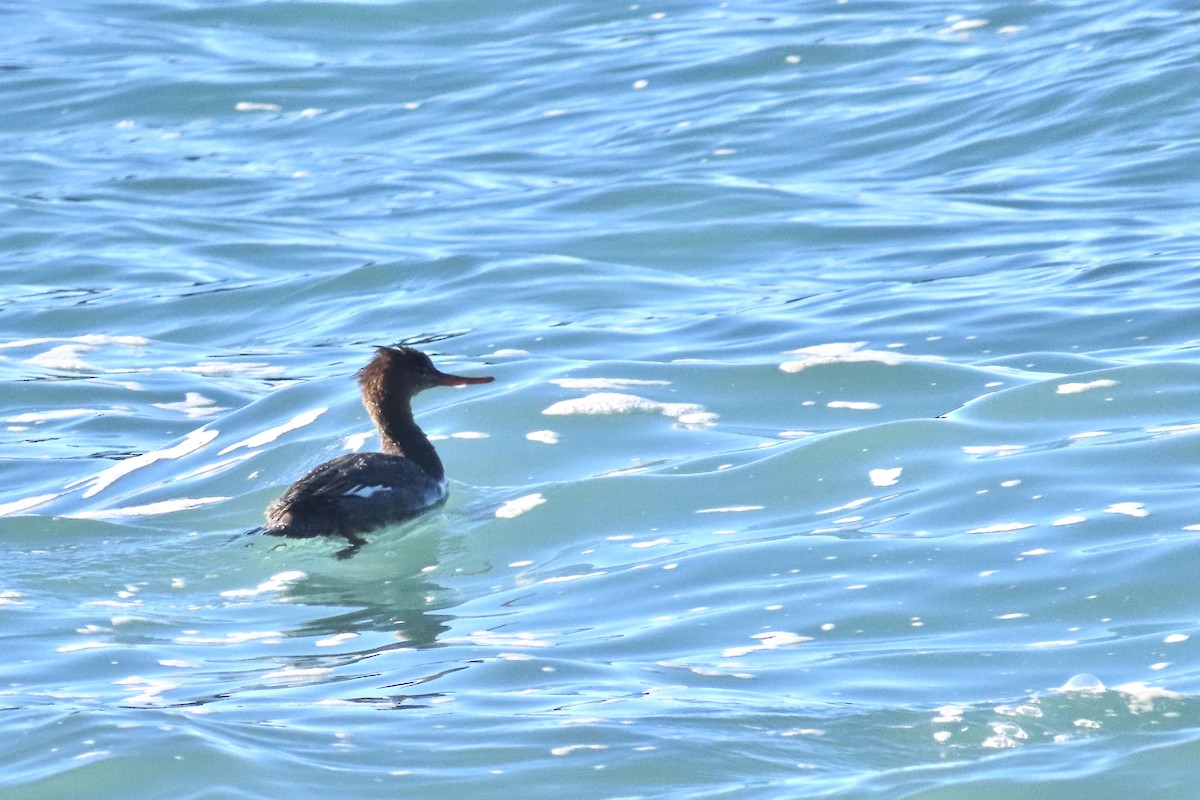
252 532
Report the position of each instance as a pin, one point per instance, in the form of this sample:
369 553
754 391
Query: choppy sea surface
844 436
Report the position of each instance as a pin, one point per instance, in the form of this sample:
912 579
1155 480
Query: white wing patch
366 491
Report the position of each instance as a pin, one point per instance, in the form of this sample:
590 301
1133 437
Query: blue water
843 442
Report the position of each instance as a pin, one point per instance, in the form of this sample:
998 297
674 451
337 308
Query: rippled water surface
843 442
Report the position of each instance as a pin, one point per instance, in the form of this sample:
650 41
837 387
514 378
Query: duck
360 492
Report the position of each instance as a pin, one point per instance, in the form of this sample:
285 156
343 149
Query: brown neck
400 435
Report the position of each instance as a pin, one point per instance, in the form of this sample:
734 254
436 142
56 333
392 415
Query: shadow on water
289 620
387 586
405 608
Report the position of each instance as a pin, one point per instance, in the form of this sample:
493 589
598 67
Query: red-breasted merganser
360 492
